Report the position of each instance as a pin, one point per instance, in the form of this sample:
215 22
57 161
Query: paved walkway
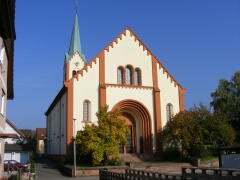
47 170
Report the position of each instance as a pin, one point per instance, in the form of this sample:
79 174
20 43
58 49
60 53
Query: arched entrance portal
138 120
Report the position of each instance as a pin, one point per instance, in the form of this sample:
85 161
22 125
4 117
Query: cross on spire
76 1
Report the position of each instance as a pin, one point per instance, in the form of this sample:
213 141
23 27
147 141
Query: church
124 75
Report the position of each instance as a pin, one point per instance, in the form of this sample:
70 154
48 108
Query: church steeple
77 62
75 44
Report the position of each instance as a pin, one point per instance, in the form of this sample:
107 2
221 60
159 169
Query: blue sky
197 41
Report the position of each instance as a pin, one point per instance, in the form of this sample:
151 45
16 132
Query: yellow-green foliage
101 141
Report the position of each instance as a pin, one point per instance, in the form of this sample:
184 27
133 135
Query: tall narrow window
169 109
137 77
120 75
2 103
2 50
128 75
86 110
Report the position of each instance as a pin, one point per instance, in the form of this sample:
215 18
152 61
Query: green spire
75 45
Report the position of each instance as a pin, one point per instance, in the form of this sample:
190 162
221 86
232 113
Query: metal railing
105 174
188 173
210 173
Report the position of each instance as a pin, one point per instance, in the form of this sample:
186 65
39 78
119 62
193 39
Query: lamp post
74 148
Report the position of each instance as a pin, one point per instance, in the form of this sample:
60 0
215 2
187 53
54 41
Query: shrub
190 133
32 166
100 142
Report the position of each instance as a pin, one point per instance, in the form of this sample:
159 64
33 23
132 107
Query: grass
209 158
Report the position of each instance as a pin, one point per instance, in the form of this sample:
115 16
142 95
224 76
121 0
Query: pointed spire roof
75 44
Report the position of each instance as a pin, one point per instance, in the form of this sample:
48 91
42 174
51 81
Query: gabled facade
15 144
12 134
125 75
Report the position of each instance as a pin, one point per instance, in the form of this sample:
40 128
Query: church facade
124 75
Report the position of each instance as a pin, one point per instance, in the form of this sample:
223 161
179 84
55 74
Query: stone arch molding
142 113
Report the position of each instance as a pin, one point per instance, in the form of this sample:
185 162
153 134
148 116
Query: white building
125 75
13 134
15 148
7 37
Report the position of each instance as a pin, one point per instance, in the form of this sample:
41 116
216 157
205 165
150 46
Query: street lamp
74 148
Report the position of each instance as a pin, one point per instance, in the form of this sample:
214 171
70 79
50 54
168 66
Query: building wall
86 88
22 157
127 52
56 128
10 130
75 63
168 94
1 156
40 147
3 98
3 82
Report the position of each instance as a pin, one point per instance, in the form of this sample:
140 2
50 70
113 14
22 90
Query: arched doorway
131 137
138 120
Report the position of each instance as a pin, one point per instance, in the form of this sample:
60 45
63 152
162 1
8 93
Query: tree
226 100
100 142
217 131
190 131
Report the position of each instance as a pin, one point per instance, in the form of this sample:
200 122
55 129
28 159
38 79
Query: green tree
217 131
191 131
100 142
226 100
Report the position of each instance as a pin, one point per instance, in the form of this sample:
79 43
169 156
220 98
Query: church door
130 147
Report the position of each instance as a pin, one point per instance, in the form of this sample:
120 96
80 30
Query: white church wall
63 123
86 88
127 52
56 128
168 94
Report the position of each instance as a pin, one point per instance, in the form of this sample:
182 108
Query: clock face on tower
76 64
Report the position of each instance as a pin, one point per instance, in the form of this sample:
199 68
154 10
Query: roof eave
59 95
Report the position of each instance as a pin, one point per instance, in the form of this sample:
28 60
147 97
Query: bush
100 142
171 154
191 132
32 166
199 151
13 177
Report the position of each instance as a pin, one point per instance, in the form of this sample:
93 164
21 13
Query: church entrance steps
136 158
133 158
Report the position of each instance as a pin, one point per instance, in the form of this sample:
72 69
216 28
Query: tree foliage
100 142
190 131
226 100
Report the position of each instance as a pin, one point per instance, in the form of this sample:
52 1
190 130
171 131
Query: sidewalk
170 167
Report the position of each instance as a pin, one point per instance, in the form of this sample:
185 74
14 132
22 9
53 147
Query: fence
188 173
104 174
210 173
